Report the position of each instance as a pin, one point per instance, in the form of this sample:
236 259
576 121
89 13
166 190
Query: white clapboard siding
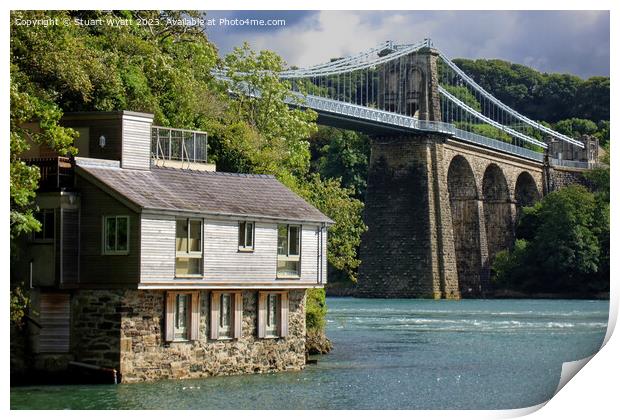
324 256
55 319
309 249
157 253
224 262
136 152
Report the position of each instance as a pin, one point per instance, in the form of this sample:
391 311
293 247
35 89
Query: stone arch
526 191
498 211
464 198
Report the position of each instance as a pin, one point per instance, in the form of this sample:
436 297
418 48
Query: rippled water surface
397 354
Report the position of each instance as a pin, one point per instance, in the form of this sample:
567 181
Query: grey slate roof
219 193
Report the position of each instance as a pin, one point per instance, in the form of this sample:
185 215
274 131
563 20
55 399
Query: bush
316 310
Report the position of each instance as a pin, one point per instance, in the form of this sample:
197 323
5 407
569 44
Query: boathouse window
226 315
116 235
246 236
189 247
272 314
46 218
289 245
182 316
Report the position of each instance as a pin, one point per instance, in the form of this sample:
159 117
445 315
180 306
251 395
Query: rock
317 343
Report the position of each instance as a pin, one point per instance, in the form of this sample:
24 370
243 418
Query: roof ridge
213 173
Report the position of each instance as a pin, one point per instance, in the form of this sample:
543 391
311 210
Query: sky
575 42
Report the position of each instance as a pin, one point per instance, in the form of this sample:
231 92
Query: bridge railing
573 164
497 145
389 118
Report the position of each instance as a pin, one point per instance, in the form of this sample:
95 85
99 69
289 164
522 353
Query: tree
576 127
341 154
27 107
345 235
563 245
541 96
260 99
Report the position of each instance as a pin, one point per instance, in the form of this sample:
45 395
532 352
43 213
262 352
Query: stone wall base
123 330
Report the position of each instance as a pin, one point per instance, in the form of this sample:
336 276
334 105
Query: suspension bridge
387 88
451 165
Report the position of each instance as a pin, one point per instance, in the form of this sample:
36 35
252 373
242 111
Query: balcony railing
56 172
178 144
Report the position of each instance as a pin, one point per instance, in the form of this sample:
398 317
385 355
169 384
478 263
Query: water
389 354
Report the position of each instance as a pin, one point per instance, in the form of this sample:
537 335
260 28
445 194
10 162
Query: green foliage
576 127
541 96
600 179
603 133
464 95
26 107
20 300
507 268
341 154
316 310
487 131
563 245
282 147
345 235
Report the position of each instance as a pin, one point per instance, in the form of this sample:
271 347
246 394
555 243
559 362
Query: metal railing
573 164
497 145
178 144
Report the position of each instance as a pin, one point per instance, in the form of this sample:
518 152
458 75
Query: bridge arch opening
526 191
498 211
466 226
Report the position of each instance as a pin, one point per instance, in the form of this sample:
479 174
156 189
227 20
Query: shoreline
347 291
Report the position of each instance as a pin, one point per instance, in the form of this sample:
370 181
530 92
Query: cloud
575 42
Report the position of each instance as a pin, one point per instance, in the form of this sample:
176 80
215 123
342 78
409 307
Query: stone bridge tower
409 250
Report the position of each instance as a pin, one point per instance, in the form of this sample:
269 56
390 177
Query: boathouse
152 263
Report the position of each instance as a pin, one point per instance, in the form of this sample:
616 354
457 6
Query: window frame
44 239
244 247
104 235
235 330
193 313
288 256
186 329
228 332
282 314
271 329
199 255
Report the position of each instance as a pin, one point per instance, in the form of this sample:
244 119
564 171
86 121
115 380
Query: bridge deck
374 121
